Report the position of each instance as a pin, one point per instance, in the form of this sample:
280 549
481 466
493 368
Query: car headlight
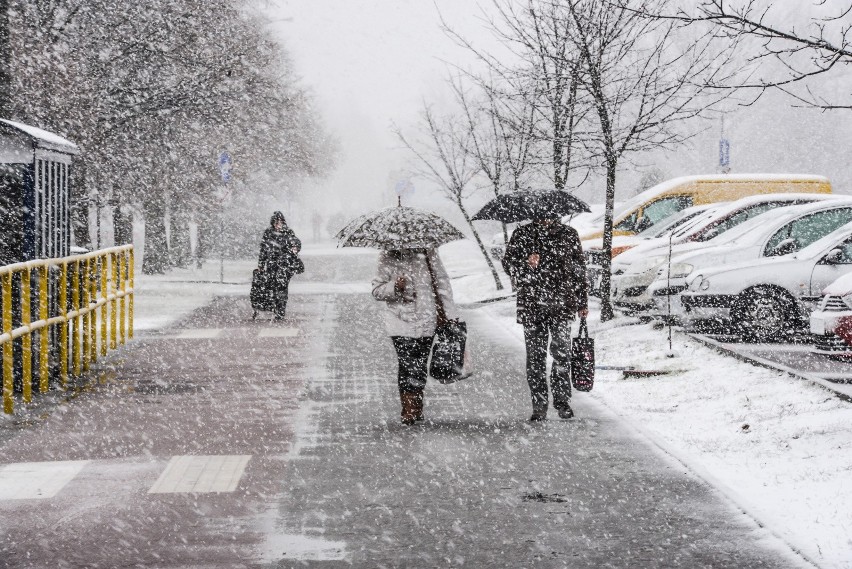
675 271
847 299
699 284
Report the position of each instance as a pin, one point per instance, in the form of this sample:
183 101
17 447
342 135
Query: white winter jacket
412 313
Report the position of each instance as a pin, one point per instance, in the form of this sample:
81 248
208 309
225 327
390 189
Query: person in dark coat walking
545 261
279 250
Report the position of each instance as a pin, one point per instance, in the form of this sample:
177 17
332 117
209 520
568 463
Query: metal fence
59 314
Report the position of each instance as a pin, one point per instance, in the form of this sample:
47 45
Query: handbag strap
583 332
439 303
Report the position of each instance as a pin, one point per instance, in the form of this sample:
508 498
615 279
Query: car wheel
763 315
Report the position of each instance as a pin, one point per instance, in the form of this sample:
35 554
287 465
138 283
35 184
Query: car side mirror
785 247
834 257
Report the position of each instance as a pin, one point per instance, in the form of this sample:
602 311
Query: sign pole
225 171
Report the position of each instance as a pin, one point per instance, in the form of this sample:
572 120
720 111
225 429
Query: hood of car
841 287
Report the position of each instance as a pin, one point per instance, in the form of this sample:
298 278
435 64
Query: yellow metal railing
100 285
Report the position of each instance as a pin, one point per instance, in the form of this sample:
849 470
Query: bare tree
788 49
537 88
152 92
643 84
445 158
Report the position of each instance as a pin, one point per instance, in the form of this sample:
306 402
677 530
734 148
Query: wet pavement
227 442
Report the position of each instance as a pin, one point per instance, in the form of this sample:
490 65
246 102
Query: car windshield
673 223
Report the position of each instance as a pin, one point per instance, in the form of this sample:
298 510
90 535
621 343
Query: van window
628 223
805 230
663 208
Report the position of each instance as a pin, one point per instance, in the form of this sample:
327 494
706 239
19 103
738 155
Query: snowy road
223 442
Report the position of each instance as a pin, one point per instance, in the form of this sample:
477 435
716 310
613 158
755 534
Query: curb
762 362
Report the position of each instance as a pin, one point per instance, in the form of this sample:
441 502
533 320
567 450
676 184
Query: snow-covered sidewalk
778 447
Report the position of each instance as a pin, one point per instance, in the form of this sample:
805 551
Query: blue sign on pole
225 166
724 152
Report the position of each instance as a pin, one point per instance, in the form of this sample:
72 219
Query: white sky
371 63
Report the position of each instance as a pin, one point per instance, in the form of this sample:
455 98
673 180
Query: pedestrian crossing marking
278 333
37 480
199 333
216 473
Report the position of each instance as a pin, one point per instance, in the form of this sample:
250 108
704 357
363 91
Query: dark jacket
557 288
276 251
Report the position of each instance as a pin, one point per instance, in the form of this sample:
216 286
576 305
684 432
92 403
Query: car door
831 266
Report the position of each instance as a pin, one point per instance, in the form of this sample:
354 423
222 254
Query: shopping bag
583 359
447 360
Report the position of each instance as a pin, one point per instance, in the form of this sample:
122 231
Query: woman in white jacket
404 283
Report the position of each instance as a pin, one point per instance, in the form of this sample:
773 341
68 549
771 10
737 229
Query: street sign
225 166
724 152
404 188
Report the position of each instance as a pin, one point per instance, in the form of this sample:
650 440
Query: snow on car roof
757 227
654 191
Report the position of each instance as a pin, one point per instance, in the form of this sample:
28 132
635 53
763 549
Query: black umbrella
531 204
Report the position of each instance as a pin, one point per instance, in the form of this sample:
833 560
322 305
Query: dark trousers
537 336
413 355
280 293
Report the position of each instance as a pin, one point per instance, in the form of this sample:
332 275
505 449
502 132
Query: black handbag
298 266
583 359
447 359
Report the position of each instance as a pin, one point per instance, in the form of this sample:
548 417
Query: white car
786 231
766 298
831 322
633 271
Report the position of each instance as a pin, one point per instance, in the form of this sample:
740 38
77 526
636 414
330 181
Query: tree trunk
5 62
156 259
606 260
497 282
181 248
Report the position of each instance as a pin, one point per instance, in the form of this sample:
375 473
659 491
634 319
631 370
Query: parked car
831 322
789 230
766 298
635 270
656 204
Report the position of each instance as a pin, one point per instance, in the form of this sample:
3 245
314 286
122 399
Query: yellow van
656 204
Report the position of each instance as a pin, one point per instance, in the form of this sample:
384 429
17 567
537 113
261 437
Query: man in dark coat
545 261
279 250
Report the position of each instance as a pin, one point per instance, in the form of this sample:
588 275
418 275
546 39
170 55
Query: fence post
27 339
113 305
132 269
8 370
87 315
122 273
102 262
43 370
75 304
63 329
92 283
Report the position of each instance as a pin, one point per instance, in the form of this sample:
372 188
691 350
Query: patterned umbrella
398 228
531 204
